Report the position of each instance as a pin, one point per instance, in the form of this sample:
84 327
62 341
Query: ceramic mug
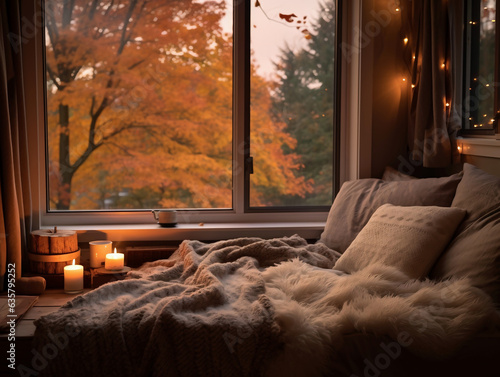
165 217
98 251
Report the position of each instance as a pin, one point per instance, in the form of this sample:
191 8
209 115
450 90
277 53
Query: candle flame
73 262
115 250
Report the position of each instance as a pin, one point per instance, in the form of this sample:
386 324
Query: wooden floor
48 302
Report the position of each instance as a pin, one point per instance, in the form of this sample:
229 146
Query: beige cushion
357 201
408 238
478 193
475 250
391 174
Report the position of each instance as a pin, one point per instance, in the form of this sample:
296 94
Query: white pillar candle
114 261
73 278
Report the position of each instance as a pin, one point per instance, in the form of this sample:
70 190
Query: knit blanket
202 312
251 307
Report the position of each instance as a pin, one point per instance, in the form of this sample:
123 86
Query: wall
488 164
482 152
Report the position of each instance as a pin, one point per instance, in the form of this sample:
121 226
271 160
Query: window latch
249 162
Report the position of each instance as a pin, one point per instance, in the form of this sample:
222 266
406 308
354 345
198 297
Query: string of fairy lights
486 22
444 66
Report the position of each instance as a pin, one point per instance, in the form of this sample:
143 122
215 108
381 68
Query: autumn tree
139 98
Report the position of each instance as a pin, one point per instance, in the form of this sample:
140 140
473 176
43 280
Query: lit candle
73 278
114 261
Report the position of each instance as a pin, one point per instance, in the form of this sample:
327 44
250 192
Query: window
139 105
294 55
482 100
140 110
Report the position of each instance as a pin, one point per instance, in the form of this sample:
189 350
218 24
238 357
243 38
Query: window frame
469 49
348 150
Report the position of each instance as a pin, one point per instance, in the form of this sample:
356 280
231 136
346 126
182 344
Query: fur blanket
315 308
248 307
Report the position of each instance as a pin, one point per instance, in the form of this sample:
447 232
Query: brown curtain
15 205
435 61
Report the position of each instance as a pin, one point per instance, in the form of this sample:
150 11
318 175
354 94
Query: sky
269 36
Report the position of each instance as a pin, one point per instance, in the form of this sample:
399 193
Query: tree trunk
65 169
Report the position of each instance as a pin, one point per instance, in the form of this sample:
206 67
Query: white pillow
408 238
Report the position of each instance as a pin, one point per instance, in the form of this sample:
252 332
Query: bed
403 281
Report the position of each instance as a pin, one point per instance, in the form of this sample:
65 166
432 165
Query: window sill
483 147
202 232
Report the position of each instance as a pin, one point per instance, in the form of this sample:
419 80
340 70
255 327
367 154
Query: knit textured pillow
408 238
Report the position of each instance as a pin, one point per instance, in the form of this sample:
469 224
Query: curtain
435 62
15 205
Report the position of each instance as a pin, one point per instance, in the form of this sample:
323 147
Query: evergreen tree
304 100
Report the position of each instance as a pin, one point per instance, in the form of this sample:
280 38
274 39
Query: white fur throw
315 308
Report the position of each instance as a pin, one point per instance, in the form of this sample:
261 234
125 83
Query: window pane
139 104
480 60
292 102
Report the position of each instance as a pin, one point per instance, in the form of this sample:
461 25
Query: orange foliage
148 85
